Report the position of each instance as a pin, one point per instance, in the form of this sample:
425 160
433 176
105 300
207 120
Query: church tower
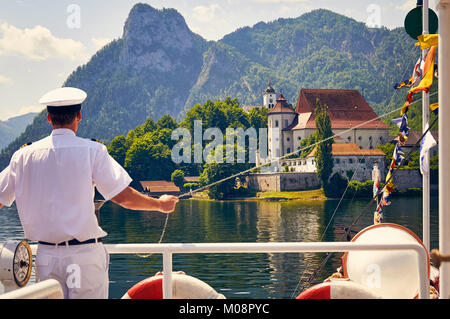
269 97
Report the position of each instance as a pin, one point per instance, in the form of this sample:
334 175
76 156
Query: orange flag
428 72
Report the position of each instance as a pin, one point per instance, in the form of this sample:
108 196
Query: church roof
282 106
346 108
269 88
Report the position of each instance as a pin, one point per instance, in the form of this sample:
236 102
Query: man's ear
49 119
79 117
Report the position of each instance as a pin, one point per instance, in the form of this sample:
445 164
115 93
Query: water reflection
238 275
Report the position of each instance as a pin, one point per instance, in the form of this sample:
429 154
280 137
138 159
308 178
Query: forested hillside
159 66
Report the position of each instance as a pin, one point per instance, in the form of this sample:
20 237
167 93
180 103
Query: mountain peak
157 39
148 25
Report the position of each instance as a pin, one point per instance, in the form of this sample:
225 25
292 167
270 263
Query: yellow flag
428 72
434 106
427 40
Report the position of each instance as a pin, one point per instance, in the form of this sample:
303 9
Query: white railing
50 289
167 250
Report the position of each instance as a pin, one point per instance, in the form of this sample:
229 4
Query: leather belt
72 242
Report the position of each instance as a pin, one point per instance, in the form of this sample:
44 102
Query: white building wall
278 143
360 166
364 138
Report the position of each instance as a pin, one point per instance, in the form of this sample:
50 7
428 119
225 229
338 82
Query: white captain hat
63 100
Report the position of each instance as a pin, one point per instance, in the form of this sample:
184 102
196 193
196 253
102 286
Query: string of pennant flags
421 80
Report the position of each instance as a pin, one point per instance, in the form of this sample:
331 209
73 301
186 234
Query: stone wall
283 182
403 180
408 178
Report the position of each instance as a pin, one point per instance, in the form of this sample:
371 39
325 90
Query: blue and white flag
425 145
402 123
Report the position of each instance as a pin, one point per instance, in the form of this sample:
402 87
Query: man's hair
63 118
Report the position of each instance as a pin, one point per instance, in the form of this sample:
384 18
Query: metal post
167 277
425 125
444 144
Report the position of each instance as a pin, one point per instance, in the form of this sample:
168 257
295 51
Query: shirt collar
63 131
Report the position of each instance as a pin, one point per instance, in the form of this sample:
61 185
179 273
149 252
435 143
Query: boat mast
444 144
425 125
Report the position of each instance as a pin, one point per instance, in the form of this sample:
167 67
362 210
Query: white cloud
100 42
5 80
406 6
30 109
205 13
38 44
411 4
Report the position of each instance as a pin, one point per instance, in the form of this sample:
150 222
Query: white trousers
82 270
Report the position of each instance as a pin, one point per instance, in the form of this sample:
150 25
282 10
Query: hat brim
64 109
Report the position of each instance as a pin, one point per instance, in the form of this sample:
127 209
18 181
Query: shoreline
308 195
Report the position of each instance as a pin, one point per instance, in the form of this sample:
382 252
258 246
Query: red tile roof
159 186
282 106
346 108
350 149
414 136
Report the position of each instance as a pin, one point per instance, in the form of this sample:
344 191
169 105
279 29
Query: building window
359 138
362 160
370 138
338 160
288 139
276 123
350 160
299 138
288 150
349 138
286 123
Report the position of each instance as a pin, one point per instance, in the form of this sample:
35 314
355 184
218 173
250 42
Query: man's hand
1 206
167 203
131 199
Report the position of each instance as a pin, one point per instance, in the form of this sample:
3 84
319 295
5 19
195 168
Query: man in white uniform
52 182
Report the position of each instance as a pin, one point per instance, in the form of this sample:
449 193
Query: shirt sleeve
7 186
109 177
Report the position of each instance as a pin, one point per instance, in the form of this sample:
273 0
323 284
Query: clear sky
43 41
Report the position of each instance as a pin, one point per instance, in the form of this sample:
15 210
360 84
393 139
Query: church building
347 109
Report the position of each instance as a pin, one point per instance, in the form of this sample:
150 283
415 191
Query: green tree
214 171
304 143
388 150
177 177
166 121
149 159
323 154
118 149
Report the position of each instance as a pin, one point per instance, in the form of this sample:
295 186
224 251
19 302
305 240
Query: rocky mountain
13 127
159 66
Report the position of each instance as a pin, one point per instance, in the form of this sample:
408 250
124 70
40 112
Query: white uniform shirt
53 182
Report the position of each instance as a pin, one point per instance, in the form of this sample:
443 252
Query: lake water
239 275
